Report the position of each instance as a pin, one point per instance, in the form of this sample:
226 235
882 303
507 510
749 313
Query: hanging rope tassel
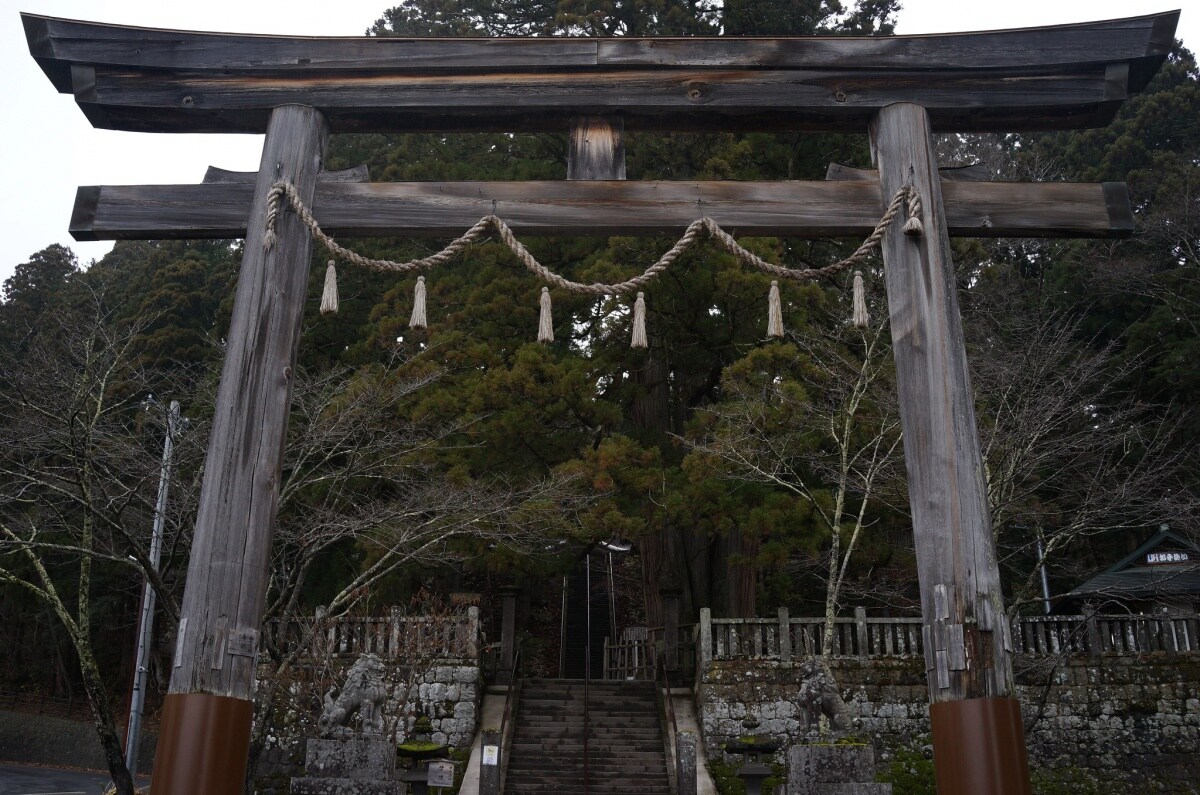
774 312
329 298
861 318
639 323
417 320
546 321
913 226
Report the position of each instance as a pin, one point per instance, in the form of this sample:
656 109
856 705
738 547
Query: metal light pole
146 620
1041 552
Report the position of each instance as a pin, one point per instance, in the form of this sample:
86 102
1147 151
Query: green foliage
35 288
910 773
1070 780
1143 294
725 778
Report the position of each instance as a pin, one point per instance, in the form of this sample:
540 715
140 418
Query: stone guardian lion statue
364 692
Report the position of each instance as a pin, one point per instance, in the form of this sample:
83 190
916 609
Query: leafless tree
357 474
826 430
1068 457
80 461
78 471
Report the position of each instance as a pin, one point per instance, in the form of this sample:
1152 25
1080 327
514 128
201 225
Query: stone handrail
452 638
782 638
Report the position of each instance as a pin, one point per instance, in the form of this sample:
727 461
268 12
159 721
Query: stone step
575 755
603 744
595 777
612 768
611 788
560 786
639 739
344 786
559 726
576 705
625 741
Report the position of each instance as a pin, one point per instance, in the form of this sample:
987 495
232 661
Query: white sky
47 147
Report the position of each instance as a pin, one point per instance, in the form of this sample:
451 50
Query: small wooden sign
441 774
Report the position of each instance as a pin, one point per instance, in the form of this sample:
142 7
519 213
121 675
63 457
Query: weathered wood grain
227 571
803 209
961 600
971 173
596 148
57 43
222 176
731 99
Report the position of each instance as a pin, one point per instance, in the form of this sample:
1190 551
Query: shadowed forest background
751 474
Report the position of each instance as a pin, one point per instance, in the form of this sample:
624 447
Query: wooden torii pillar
901 88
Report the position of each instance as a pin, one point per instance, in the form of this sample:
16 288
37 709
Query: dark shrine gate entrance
901 89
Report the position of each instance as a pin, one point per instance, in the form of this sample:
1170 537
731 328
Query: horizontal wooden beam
214 175
975 172
757 99
801 209
57 44
178 81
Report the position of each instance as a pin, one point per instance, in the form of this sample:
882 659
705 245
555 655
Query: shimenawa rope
906 195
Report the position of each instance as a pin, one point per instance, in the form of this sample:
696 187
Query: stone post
685 762
1094 641
670 608
785 635
860 631
489 763
508 635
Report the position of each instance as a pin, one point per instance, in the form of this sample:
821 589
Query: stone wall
1132 722
449 694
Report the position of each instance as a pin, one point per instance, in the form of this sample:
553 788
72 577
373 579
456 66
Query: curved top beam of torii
151 80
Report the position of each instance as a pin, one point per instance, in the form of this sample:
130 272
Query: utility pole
146 617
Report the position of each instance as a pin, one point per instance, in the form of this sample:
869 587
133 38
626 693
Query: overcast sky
49 148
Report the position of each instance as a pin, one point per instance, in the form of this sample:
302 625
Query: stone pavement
30 780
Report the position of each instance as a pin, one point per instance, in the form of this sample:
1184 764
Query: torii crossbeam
900 88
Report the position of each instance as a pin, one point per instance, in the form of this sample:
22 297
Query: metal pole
146 619
1042 566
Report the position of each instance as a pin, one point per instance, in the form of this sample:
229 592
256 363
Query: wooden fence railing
783 638
394 636
633 655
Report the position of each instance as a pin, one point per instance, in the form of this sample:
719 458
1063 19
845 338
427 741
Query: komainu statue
364 693
819 696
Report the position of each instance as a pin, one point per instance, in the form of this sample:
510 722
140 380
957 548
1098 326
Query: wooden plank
975 172
1135 39
236 518
221 176
745 99
955 553
802 209
58 43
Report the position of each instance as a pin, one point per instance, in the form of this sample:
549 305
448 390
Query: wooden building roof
1166 566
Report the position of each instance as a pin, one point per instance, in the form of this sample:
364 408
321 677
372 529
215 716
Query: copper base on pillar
203 744
979 747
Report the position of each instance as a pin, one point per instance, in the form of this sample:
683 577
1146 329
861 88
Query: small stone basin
418 750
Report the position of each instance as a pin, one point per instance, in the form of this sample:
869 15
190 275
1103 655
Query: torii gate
297 90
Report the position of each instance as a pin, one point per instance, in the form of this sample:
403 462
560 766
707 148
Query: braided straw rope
697 229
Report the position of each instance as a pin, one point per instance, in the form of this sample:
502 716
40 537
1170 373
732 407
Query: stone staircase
625 741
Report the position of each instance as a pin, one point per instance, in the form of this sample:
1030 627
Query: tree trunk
106 727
